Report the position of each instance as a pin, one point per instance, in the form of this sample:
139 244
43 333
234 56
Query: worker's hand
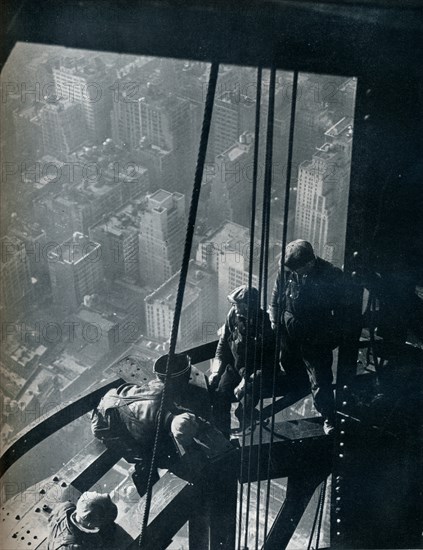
240 390
184 428
214 379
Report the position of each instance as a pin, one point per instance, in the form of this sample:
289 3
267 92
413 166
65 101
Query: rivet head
366 117
355 254
341 455
344 403
341 444
338 520
345 387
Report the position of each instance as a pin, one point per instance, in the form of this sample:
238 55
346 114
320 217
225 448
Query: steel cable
250 280
278 327
205 131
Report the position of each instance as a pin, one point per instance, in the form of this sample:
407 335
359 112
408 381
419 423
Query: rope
264 260
284 239
205 130
250 280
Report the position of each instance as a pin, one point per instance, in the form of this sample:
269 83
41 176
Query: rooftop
238 149
162 199
96 319
230 234
73 250
343 127
166 293
122 223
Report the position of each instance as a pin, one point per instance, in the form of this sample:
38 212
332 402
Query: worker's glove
246 385
216 373
184 428
239 391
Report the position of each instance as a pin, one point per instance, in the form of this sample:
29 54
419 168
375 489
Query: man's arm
221 356
275 306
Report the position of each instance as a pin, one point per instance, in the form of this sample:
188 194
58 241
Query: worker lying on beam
127 419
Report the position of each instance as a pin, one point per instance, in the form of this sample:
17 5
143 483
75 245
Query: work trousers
301 358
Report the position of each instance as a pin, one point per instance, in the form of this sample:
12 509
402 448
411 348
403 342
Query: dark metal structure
376 457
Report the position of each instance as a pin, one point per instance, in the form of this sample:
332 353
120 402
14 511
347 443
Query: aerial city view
99 152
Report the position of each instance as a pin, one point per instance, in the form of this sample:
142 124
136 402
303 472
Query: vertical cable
250 279
205 130
264 269
284 239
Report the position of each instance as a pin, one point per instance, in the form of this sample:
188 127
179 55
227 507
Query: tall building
87 81
155 118
322 194
35 244
28 132
234 113
77 209
76 270
63 127
161 237
160 164
15 273
118 236
231 183
199 307
226 252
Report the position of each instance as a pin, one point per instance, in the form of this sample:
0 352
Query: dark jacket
133 411
64 535
309 309
232 346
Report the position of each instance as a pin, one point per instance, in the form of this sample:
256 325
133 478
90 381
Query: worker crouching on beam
244 360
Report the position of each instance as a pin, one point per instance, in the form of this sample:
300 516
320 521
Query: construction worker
306 302
245 352
88 524
126 419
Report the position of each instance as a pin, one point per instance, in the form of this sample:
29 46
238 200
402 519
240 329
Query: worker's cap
94 511
179 364
298 253
243 297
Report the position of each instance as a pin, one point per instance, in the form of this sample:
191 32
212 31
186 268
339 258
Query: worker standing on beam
306 302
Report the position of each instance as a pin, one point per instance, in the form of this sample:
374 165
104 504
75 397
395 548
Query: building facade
162 233
76 271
